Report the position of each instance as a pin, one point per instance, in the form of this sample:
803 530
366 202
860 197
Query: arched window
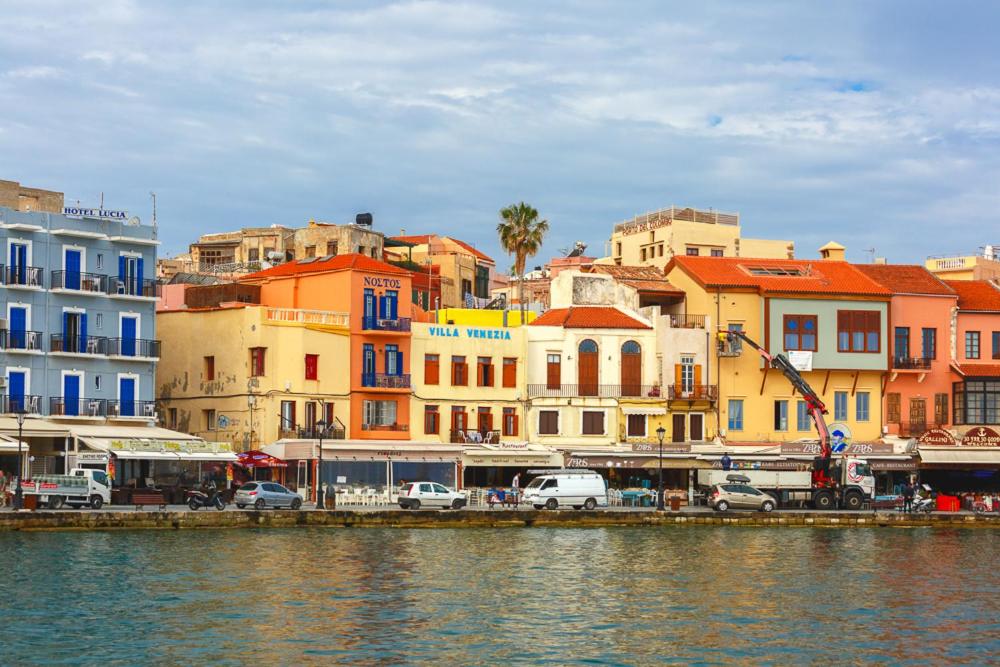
631 347
588 346
631 379
587 368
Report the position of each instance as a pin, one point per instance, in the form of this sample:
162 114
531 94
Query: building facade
976 349
972 266
463 273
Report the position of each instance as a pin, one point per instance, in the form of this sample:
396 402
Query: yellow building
250 375
463 271
985 266
654 238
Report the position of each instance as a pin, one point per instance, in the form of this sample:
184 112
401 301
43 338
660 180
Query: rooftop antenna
871 251
153 195
102 200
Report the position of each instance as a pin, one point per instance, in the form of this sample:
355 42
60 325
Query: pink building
977 341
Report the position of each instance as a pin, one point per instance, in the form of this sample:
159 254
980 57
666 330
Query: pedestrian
4 483
727 463
908 497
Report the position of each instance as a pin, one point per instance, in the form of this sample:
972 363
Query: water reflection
611 596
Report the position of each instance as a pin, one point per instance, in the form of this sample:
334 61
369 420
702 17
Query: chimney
832 251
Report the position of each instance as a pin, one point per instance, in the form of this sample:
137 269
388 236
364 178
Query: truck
845 483
795 487
81 487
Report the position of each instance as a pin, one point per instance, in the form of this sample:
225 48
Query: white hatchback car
415 495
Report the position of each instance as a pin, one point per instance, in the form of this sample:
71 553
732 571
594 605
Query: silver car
266 494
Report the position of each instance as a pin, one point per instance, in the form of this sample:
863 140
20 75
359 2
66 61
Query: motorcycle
925 503
213 498
986 504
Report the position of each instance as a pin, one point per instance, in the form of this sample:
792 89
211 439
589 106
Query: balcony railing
385 427
78 344
26 341
133 287
475 436
27 403
385 381
696 392
916 429
140 348
119 408
82 282
687 321
299 316
78 407
372 323
598 390
911 363
312 433
24 276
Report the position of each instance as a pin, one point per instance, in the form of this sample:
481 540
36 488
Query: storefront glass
356 473
423 471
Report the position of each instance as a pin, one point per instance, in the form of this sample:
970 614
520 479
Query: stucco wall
826 310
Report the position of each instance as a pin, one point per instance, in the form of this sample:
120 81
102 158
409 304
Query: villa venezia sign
981 436
469 332
100 213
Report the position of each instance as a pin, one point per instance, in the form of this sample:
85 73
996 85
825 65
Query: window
735 414
287 416
687 374
593 422
209 369
432 419
99 320
776 271
553 372
484 371
484 419
432 369
257 361
800 332
310 251
691 252
618 248
97 382
642 254
661 250
929 339
510 425
378 413
458 421
100 260
858 330
971 344
840 406
509 372
781 415
977 402
901 342
940 409
548 422
392 360
863 406
328 415
717 252
210 423
172 418
892 409
312 366
459 372
803 420
331 249
996 344
636 426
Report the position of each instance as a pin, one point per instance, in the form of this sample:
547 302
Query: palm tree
521 234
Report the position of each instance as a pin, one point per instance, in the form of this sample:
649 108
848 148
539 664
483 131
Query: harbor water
636 596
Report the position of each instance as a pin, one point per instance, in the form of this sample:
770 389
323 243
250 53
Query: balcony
475 436
304 317
131 409
394 428
75 281
22 276
21 341
915 429
60 344
687 321
385 381
337 432
78 407
26 403
142 288
135 348
697 392
372 323
910 364
597 390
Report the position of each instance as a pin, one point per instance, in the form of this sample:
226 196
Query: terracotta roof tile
820 276
422 239
642 278
980 370
479 255
589 317
352 261
905 279
418 239
979 295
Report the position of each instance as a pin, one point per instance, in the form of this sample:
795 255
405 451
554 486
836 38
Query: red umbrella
258 459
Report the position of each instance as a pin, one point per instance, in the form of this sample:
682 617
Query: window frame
593 414
258 362
432 419
731 423
509 379
209 367
432 369
977 337
543 415
854 322
859 414
459 371
485 377
781 415
312 367
800 321
510 423
924 331
840 413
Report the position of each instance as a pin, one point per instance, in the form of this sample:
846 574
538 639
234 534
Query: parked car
739 495
413 496
266 494
574 488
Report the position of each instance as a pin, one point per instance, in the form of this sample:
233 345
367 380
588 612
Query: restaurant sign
153 445
851 449
937 437
654 447
981 436
764 465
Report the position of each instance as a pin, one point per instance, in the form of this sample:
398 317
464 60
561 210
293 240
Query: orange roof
589 317
422 239
419 239
905 279
979 295
348 262
820 276
475 253
980 370
642 278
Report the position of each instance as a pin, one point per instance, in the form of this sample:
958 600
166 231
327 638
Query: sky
875 124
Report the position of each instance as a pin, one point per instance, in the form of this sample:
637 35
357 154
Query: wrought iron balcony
911 363
143 287
695 392
27 403
385 427
337 432
22 276
139 348
372 323
78 407
598 390
687 321
92 283
24 341
475 436
119 408
913 429
385 381
78 344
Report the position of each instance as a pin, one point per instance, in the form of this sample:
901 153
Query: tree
521 234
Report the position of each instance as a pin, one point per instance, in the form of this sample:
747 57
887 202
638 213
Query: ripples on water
507 597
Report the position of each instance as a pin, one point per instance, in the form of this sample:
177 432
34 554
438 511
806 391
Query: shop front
386 465
634 475
45 446
969 464
495 466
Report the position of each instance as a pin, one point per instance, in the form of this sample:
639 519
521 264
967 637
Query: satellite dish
134 221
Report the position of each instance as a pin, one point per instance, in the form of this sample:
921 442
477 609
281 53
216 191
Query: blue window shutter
399 363
121 268
138 276
67 343
83 332
382 307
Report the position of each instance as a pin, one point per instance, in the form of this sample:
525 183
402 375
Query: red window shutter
312 366
510 372
432 369
554 375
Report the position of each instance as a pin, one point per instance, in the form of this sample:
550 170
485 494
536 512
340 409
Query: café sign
981 436
937 437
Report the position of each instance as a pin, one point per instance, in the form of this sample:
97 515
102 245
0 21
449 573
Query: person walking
727 463
4 484
908 497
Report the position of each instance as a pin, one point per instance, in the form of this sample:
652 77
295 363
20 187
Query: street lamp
319 427
19 491
660 433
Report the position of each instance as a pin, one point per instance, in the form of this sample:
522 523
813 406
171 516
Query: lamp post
660 433
318 427
19 491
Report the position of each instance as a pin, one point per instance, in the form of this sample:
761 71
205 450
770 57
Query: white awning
961 456
635 410
150 456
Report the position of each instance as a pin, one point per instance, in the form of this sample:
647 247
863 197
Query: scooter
213 498
987 504
925 503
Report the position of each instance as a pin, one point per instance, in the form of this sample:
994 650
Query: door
18 264
697 422
16 384
631 369
369 315
587 365
130 275
71 395
918 416
442 496
18 327
72 264
678 430
126 397
130 326
368 365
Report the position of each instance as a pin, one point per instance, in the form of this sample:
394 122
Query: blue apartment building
78 304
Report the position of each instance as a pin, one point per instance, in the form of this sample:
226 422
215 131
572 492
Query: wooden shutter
485 419
678 379
587 370
698 389
553 378
940 409
892 406
432 369
430 419
631 374
509 372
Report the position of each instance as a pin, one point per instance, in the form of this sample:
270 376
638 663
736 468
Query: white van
567 488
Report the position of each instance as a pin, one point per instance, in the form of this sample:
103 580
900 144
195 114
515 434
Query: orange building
378 297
